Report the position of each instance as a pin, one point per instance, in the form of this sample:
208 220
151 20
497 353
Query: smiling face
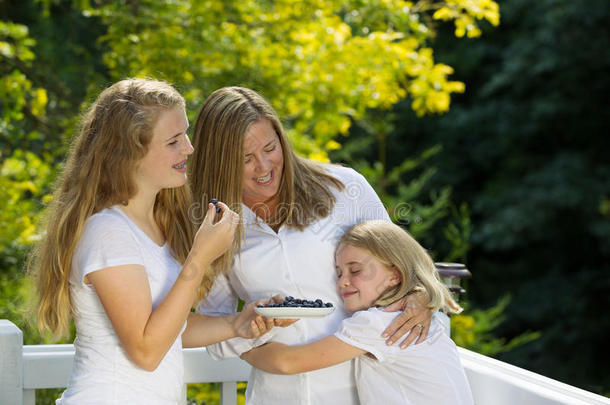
361 277
263 163
164 165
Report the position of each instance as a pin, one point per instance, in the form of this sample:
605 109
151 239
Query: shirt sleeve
363 330
106 241
361 201
369 204
222 300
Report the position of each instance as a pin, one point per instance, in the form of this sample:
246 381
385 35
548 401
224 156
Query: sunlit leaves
15 42
466 12
18 97
322 64
474 330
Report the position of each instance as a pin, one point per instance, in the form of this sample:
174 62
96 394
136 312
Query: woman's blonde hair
392 246
218 167
114 135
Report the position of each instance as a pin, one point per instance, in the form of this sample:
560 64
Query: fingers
259 326
412 321
221 212
254 329
277 299
400 320
411 337
210 214
225 214
424 333
282 323
397 329
269 324
417 327
260 322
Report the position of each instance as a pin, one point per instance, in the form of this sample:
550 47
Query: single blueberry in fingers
215 201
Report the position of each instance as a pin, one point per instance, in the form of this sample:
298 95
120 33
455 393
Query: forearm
203 330
277 358
166 321
272 358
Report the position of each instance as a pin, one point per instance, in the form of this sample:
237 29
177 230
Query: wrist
193 269
231 321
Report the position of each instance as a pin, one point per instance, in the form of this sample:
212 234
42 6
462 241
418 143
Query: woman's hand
416 317
280 322
248 324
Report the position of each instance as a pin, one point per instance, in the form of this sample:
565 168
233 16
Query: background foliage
513 180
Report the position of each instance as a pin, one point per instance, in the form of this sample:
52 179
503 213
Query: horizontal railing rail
495 382
24 369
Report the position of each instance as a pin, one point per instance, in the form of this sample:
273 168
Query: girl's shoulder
377 320
107 220
370 319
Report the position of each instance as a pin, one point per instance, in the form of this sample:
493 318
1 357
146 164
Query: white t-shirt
301 264
102 373
428 373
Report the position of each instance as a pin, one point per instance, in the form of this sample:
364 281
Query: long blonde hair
394 247
114 135
218 166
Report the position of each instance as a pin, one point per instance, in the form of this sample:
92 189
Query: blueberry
291 302
215 201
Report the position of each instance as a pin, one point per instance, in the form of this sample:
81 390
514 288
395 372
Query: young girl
115 254
378 263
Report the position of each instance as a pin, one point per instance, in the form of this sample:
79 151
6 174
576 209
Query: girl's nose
188 147
343 280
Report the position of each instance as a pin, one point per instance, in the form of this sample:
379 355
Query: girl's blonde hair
218 167
114 135
394 247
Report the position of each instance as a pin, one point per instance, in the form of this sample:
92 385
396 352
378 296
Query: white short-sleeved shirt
428 373
301 264
102 373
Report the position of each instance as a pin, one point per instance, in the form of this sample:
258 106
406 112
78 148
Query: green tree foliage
320 63
526 147
19 97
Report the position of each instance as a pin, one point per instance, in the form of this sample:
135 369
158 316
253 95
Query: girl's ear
395 278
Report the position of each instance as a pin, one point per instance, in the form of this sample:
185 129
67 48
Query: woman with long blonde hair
378 263
120 256
293 211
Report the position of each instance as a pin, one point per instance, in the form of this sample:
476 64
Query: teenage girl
115 254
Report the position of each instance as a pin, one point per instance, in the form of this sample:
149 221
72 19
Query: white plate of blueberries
296 308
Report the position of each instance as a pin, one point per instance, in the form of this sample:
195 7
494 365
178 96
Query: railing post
451 274
11 363
228 393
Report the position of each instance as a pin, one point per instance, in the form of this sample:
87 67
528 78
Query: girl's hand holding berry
214 238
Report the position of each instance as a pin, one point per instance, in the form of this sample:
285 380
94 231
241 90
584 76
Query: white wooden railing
23 369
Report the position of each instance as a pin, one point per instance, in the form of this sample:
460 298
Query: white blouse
300 264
